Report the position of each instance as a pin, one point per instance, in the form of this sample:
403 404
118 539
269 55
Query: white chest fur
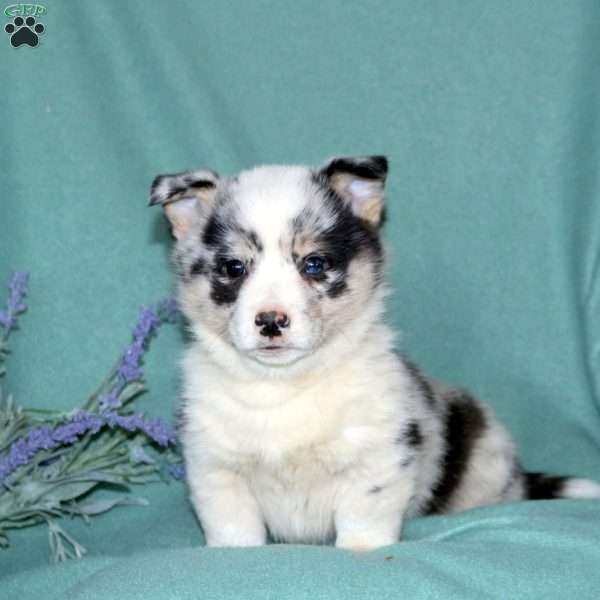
296 444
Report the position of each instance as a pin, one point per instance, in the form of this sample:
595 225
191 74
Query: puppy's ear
186 197
359 182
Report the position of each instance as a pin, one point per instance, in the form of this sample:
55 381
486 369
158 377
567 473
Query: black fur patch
341 242
337 288
225 292
372 167
410 435
348 235
464 424
202 183
214 232
539 486
154 197
375 489
420 380
178 183
177 189
217 229
214 237
413 435
198 267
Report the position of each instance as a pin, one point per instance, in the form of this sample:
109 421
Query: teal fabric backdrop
489 114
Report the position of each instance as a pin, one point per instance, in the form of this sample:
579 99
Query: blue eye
314 265
233 268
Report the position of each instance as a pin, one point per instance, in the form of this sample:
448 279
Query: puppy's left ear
185 197
360 183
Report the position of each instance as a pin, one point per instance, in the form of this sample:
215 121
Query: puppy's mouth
277 354
269 349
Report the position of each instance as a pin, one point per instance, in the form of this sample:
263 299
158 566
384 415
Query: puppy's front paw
363 542
231 536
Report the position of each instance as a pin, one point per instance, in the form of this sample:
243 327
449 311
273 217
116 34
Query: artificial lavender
129 368
24 449
50 466
176 471
15 303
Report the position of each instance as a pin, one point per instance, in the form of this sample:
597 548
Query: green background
489 114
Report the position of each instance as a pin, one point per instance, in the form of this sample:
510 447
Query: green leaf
97 507
138 454
31 492
66 489
131 390
24 522
62 545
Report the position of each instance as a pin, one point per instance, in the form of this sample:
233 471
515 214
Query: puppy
301 420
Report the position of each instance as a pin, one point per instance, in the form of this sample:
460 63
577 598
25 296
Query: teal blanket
490 115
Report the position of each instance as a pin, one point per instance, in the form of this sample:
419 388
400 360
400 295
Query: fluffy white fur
305 442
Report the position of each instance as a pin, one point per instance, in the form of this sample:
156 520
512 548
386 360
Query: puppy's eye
314 265
233 268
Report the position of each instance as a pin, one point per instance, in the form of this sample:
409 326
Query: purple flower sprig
129 369
15 304
48 469
83 421
23 450
177 471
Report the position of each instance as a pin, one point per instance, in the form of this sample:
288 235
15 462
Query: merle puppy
300 418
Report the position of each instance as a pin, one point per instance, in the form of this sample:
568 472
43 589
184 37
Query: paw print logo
24 31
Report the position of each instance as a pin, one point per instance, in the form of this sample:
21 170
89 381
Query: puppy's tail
539 486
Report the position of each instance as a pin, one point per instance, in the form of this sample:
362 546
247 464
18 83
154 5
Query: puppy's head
277 262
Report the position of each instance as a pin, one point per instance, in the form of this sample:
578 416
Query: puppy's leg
369 516
227 509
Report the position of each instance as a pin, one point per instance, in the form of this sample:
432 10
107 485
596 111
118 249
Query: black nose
271 322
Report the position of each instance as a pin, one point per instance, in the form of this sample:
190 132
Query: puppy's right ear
186 197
